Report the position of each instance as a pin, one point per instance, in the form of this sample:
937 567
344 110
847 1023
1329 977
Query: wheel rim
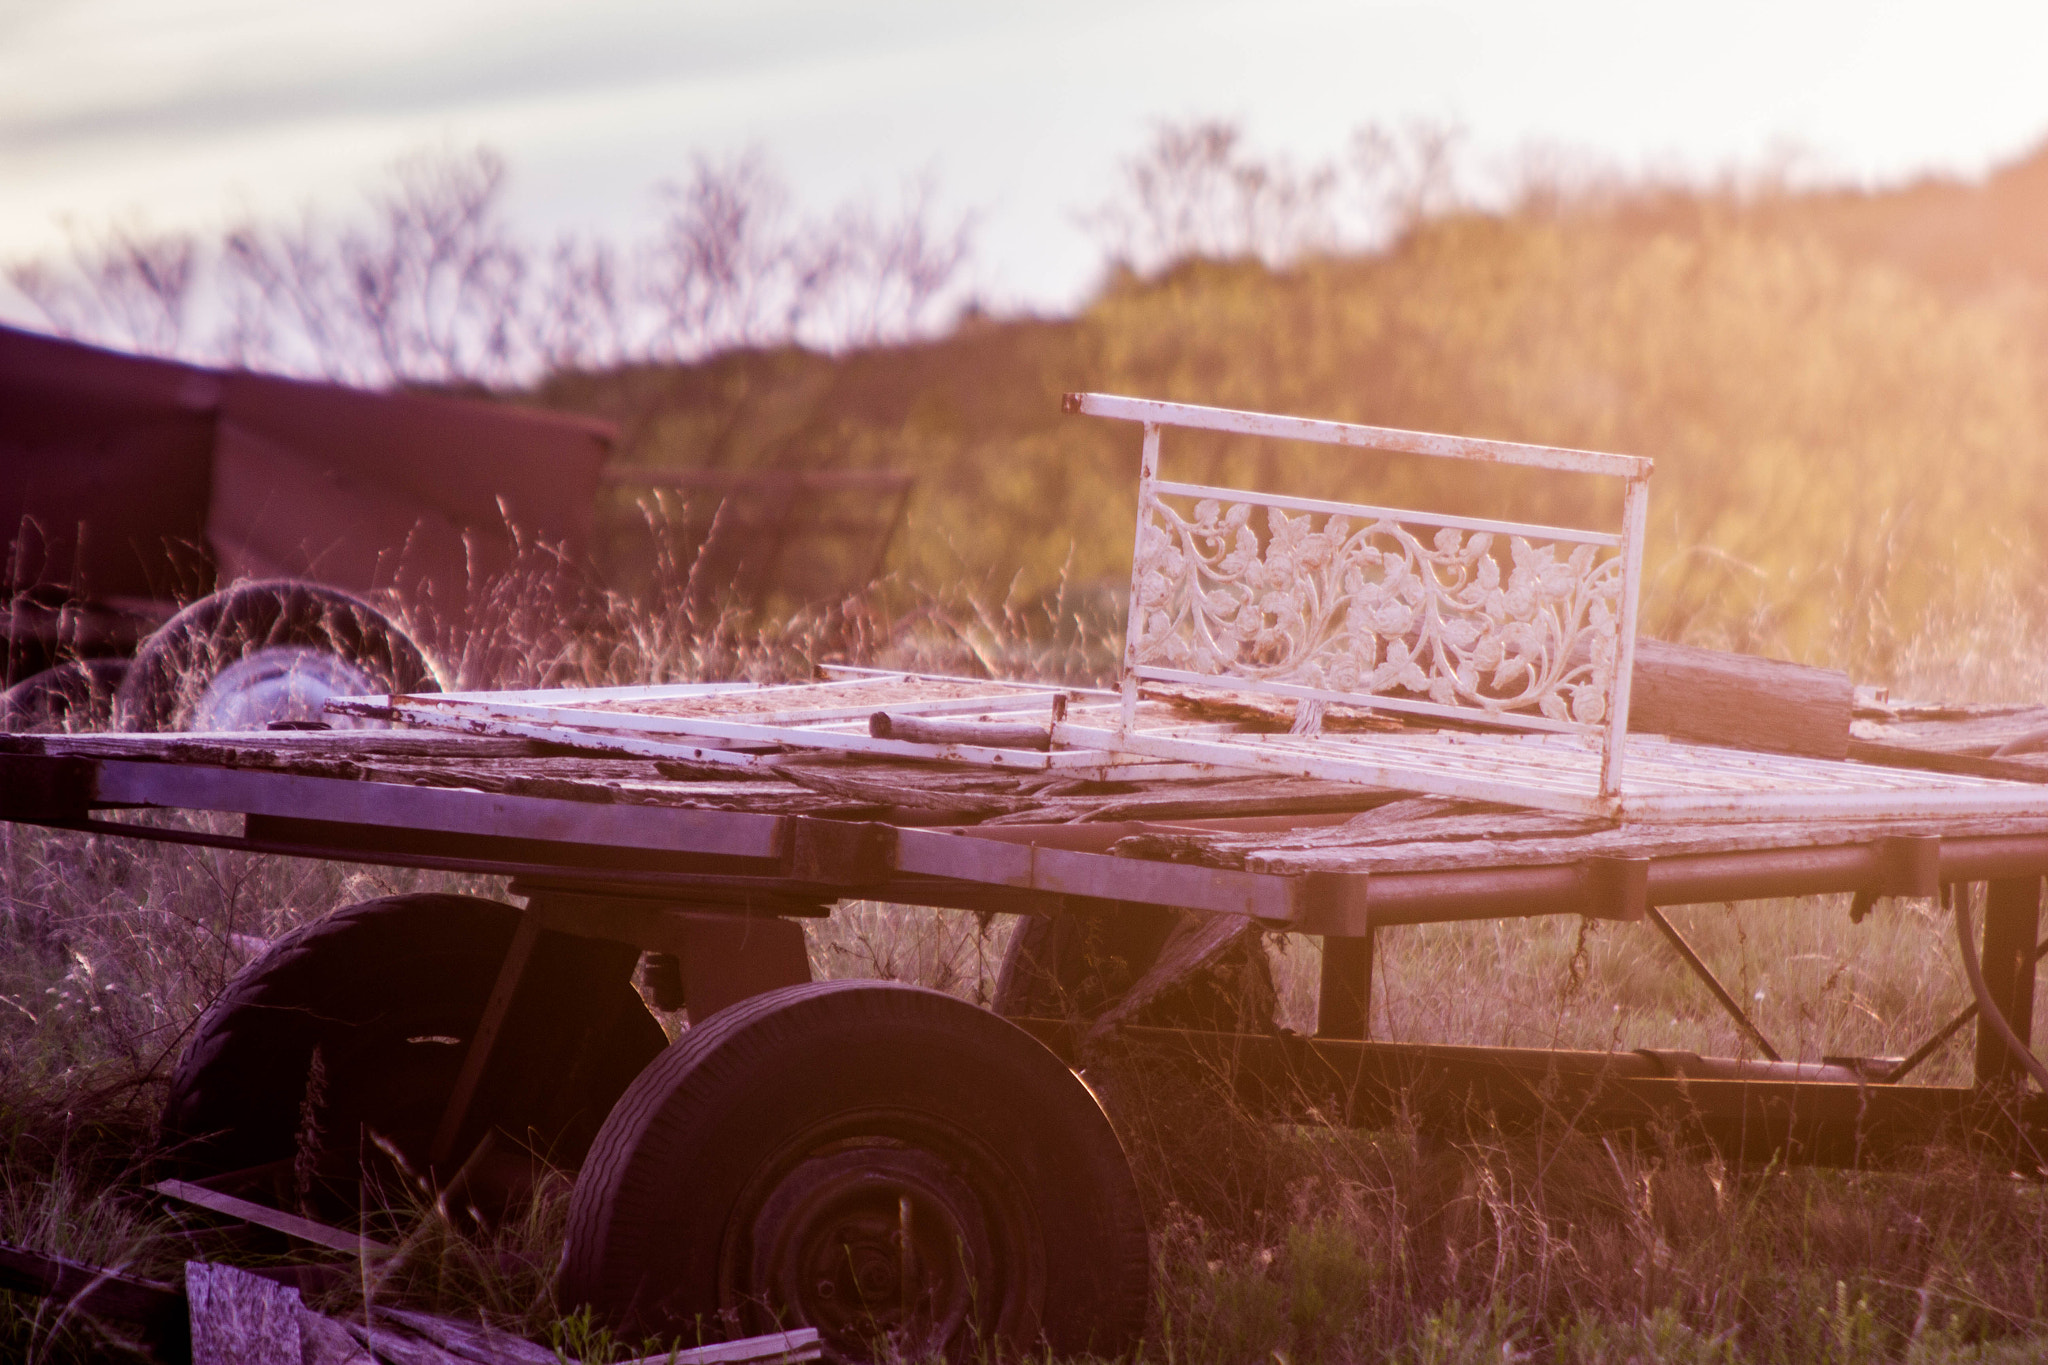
280 683
907 1246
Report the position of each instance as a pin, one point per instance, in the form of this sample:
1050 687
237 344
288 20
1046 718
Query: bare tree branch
429 286
1405 178
128 286
1195 192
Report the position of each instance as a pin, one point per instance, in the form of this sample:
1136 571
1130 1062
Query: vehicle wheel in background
910 1175
70 697
264 652
387 994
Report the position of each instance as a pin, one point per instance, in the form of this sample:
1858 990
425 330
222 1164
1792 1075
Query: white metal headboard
1519 625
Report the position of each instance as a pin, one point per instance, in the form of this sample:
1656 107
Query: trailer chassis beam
1750 1111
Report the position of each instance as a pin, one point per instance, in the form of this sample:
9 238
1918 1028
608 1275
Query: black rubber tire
690 1212
186 652
69 698
390 991
1077 964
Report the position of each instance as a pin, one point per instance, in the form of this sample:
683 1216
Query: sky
181 112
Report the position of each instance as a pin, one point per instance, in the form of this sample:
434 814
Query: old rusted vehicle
201 544
201 549
1334 719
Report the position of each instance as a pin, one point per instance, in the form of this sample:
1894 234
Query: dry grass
1815 983
1310 1244
1272 1244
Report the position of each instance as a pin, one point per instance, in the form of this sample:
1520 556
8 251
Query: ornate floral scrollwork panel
1371 605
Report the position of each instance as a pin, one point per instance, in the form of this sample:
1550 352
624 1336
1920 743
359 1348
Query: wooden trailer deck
811 827
661 852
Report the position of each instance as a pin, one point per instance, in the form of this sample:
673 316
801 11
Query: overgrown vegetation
1852 446
1845 454
1312 1244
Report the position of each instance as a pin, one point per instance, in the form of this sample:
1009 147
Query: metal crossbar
1516 625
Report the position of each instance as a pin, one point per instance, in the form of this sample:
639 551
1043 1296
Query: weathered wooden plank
426 808
702 752
621 784
416 1338
1063 872
1215 704
1386 770
985 734
692 735
2015 768
891 790
1979 730
323 1341
1740 700
1201 799
1416 820
844 699
1625 841
277 1220
245 1317
1275 798
400 1347
776 1348
471 1343
483 764
625 692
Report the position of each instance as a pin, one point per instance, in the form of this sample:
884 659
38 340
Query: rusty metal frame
782 865
1750 1111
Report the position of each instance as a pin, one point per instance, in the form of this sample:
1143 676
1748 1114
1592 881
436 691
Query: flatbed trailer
877 1161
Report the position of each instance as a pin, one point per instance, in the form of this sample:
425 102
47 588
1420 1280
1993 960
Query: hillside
1842 392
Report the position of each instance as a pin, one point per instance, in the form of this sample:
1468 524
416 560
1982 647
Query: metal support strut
1713 983
1992 1015
2012 914
510 973
1344 1002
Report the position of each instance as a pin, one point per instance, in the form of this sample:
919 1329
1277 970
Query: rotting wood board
1740 701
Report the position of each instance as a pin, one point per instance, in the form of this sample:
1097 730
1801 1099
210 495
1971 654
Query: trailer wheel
910 1175
68 698
263 652
389 993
